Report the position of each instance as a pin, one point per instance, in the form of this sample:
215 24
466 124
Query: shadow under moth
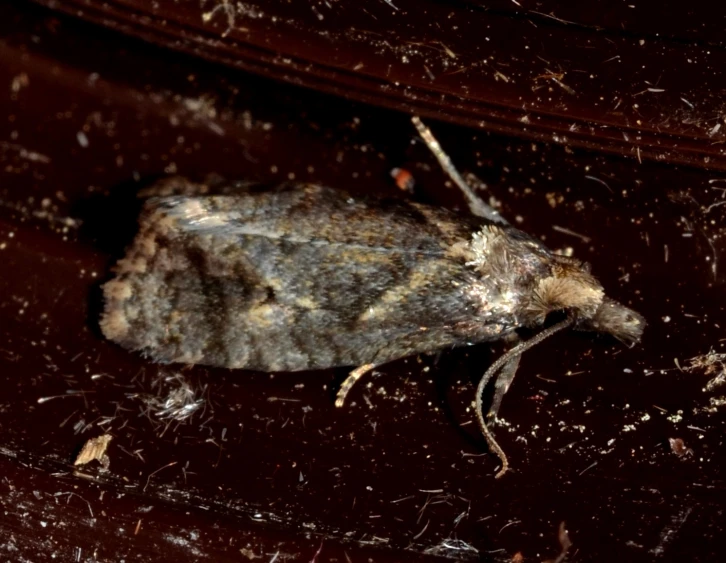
306 277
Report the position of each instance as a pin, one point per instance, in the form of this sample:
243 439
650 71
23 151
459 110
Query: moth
306 277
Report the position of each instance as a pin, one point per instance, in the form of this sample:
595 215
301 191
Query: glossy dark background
605 123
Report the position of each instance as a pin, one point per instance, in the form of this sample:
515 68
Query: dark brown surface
644 79
272 470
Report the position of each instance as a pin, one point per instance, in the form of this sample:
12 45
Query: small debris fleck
713 365
82 139
404 179
565 543
176 399
678 447
95 449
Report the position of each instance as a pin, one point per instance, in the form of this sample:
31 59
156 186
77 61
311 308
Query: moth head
613 318
569 286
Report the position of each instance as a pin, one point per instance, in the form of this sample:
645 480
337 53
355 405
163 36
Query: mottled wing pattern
293 279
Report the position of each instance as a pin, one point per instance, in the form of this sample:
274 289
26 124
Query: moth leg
476 204
502 383
353 376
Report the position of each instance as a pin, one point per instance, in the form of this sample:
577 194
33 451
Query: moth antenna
509 355
476 205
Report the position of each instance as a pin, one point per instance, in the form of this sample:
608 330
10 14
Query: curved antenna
509 355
